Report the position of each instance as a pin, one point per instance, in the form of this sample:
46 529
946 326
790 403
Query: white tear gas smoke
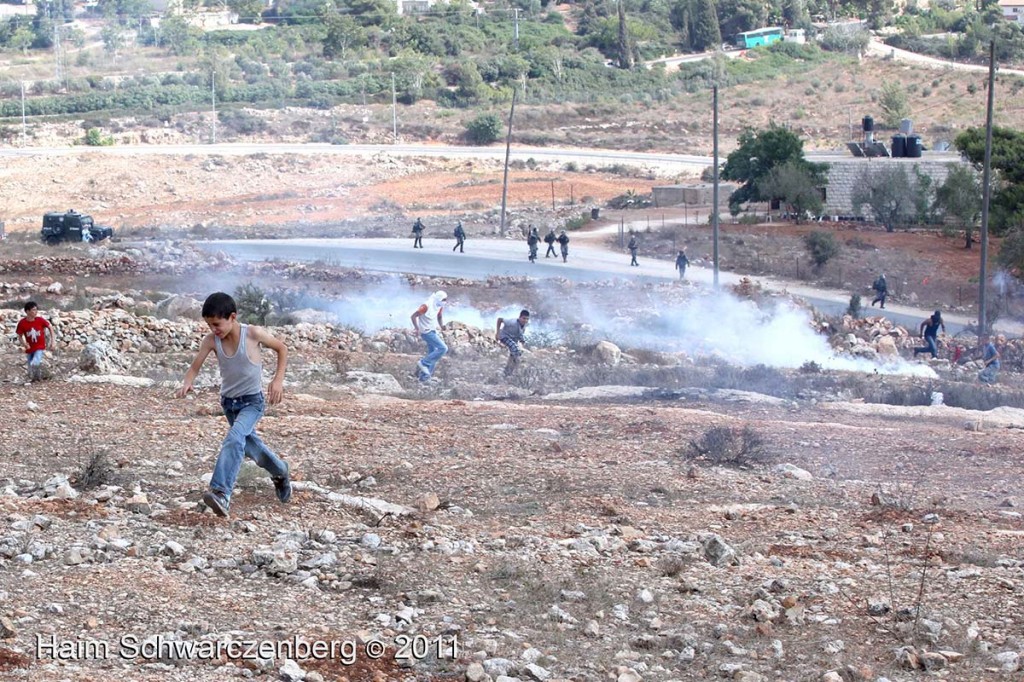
714 325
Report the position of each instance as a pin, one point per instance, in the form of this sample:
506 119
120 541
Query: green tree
736 16
888 192
1006 211
114 40
821 246
893 102
179 38
758 153
1011 252
697 22
625 50
248 11
484 129
21 39
796 185
343 33
959 198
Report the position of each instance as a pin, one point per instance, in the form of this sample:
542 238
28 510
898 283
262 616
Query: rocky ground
611 513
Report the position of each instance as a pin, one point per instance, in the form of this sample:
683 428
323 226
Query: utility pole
714 190
24 126
515 31
508 151
394 111
986 185
213 104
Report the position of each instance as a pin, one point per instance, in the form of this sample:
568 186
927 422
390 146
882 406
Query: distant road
672 162
507 258
880 49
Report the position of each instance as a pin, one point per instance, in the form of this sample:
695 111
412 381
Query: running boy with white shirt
427 322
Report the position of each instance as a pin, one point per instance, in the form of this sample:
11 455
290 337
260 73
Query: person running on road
460 237
417 233
533 241
681 262
881 288
427 321
550 240
930 334
563 241
633 246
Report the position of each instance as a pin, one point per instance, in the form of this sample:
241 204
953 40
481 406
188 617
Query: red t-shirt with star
34 332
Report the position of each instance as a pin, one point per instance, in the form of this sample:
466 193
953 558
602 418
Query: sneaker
216 502
283 486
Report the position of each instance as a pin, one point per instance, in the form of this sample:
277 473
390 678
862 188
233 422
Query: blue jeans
436 349
931 346
35 358
243 413
988 375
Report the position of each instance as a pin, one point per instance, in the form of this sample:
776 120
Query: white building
1013 10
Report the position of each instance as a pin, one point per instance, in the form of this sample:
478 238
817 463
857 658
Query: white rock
291 672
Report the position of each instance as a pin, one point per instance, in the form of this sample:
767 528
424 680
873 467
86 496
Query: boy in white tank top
237 347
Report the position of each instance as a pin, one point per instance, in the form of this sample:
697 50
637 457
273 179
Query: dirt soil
573 537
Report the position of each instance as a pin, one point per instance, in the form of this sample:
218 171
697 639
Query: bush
728 446
94 138
484 129
822 247
253 304
854 309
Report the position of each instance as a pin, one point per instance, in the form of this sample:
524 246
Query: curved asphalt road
497 258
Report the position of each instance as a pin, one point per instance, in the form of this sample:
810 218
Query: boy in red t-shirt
32 330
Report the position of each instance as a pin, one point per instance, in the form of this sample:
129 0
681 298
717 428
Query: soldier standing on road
510 334
460 237
681 262
633 246
550 239
563 241
881 288
417 233
930 334
533 241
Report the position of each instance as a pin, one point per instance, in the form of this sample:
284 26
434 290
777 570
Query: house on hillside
205 18
1013 10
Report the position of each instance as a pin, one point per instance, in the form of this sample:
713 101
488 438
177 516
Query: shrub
253 304
484 129
822 247
94 137
854 309
728 446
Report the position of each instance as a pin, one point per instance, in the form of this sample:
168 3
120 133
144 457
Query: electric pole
213 103
986 191
24 126
394 110
714 190
508 151
515 31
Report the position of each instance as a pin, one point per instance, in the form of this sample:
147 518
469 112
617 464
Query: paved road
880 49
672 162
494 258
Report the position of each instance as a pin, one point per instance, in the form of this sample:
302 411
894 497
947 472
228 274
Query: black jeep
73 227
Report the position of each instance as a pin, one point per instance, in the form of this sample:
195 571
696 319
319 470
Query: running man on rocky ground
237 347
633 246
681 262
930 334
511 333
36 336
550 240
417 233
427 323
563 242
